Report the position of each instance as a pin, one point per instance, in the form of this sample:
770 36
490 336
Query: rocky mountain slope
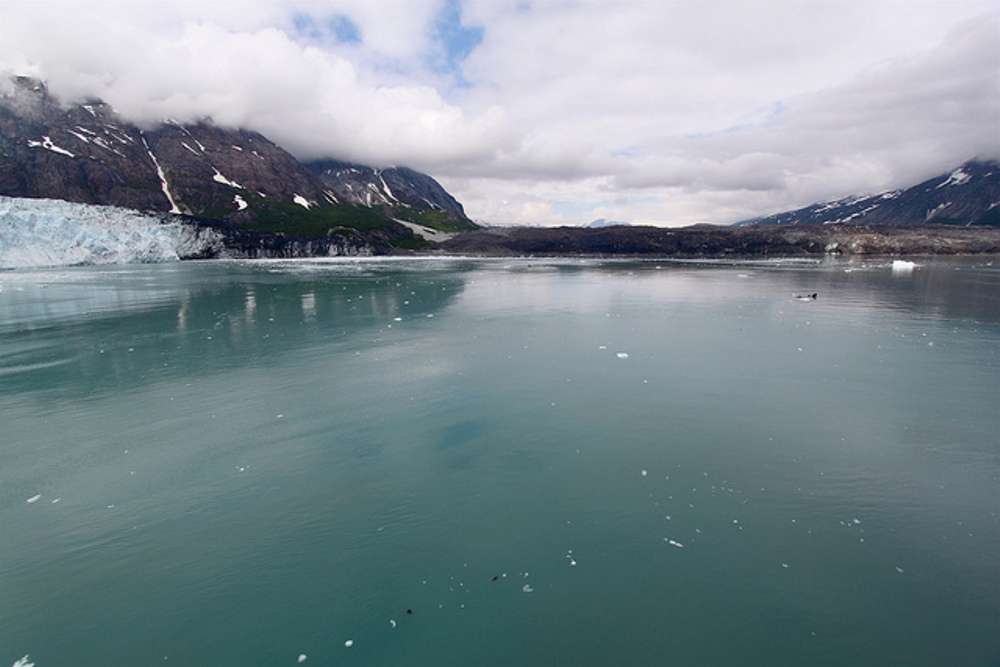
87 153
969 195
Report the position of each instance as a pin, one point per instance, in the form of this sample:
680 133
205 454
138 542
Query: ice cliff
45 232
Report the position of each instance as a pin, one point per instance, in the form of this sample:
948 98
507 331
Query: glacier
47 232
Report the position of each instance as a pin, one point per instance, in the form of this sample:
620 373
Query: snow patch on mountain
957 177
47 144
219 178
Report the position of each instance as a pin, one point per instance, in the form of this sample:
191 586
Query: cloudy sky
557 111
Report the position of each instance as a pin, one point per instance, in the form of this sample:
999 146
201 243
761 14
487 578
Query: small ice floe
622 355
903 266
240 202
784 565
25 661
397 319
527 589
643 472
392 623
56 500
349 643
302 658
899 569
33 499
302 201
602 347
279 416
673 543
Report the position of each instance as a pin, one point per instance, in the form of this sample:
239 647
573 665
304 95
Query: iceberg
46 232
903 266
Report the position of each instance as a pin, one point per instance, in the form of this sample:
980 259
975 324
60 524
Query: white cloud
660 112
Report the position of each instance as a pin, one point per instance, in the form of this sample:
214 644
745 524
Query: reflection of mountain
168 321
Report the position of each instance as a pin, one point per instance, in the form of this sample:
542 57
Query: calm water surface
238 463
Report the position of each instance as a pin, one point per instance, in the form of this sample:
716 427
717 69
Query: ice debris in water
903 266
643 473
392 623
673 543
899 569
302 658
349 643
33 499
43 232
24 662
527 588
622 355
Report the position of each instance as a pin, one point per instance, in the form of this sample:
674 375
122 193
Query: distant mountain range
969 195
602 222
87 153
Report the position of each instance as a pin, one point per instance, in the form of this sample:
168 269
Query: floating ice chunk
643 473
25 661
903 266
622 355
240 202
899 569
349 643
302 201
673 543
56 500
392 623
33 499
302 658
527 589
784 565
572 563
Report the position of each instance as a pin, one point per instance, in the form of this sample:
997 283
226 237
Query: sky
549 112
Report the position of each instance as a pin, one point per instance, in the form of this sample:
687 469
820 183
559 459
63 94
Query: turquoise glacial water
453 462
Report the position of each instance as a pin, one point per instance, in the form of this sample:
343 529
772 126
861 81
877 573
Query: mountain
87 153
969 195
603 222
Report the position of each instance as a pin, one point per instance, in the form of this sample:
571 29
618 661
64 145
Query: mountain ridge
968 195
87 153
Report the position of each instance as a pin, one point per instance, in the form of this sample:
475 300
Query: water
255 461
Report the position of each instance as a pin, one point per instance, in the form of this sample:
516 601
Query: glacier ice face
46 232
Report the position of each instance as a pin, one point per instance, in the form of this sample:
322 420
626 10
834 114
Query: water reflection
83 331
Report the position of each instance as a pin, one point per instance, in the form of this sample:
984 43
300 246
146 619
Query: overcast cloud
559 111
